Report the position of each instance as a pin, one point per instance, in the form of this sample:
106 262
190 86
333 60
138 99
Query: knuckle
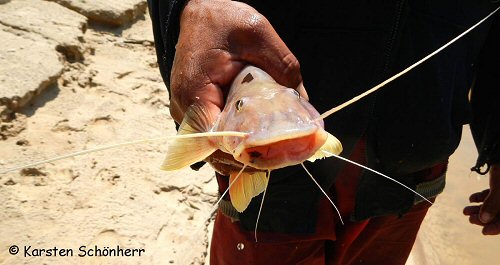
292 68
256 21
291 63
252 21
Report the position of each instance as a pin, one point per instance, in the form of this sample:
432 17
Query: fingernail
302 90
485 217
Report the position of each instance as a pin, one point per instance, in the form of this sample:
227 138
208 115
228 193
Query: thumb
491 206
209 96
270 53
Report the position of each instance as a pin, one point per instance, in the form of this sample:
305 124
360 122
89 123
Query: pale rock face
57 24
114 13
28 65
32 33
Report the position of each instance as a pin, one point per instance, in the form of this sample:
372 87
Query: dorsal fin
184 152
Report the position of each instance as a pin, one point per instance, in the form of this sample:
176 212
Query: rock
28 65
32 31
9 182
12 126
53 22
5 113
3 1
116 13
137 34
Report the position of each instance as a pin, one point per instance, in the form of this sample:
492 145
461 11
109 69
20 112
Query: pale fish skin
283 130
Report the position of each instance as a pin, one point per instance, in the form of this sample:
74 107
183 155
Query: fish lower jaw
280 154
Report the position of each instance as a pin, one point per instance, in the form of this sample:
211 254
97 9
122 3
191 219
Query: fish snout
280 153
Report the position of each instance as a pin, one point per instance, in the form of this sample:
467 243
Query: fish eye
296 93
239 104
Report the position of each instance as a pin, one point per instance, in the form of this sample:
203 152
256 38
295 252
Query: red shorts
384 240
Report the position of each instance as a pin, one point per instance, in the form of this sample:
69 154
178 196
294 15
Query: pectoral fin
332 145
247 186
184 152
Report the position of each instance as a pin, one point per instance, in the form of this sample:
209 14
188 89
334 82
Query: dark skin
218 38
487 213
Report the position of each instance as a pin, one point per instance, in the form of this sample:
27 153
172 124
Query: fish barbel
282 129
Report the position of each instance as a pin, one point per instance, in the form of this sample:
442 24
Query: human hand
217 39
487 214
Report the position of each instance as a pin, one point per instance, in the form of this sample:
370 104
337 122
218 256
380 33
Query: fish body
282 129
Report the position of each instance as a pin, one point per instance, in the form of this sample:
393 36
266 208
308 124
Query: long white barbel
376 172
323 191
261 205
409 68
111 146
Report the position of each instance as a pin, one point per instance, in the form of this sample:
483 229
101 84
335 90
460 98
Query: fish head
282 127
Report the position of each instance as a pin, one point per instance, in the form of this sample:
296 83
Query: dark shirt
414 123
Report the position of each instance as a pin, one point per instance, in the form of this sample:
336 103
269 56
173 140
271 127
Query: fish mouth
281 152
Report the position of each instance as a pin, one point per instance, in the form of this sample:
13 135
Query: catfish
282 129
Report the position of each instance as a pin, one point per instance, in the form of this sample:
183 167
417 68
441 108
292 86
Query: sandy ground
446 236
121 197
111 197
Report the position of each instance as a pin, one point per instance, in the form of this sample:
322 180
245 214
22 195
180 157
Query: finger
190 83
470 210
175 111
490 211
491 205
479 196
492 229
302 91
220 67
197 77
269 52
223 163
209 96
474 219
490 208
